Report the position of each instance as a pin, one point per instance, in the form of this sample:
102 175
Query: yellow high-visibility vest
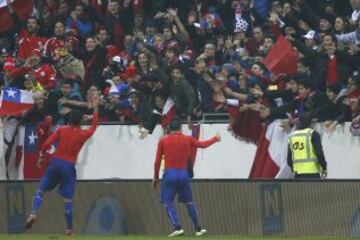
303 154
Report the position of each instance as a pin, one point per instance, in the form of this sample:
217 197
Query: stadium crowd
151 60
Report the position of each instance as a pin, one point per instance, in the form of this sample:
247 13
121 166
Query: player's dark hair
75 117
175 124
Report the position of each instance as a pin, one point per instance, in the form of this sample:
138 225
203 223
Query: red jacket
176 148
27 43
54 43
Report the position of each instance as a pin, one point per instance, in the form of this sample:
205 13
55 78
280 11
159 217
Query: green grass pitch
82 237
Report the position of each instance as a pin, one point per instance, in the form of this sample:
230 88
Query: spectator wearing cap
310 40
43 73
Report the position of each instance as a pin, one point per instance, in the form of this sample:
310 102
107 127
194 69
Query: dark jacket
184 97
312 104
319 64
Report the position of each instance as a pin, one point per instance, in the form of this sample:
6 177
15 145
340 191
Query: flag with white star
31 152
13 101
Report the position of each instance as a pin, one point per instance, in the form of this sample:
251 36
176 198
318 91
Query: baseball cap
310 35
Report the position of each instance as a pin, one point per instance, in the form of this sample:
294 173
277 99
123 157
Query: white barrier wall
117 152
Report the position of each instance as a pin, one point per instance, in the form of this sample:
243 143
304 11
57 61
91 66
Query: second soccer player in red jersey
176 147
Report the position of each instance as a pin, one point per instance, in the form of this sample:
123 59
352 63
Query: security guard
305 155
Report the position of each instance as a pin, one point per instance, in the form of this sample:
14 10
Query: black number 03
298 146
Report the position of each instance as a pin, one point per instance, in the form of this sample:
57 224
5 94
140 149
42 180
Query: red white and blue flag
271 155
31 153
13 101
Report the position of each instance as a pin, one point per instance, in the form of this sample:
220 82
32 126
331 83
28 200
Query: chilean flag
271 154
13 101
33 136
168 112
31 153
23 9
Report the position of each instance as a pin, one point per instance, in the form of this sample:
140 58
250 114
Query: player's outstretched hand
323 174
155 183
218 136
143 133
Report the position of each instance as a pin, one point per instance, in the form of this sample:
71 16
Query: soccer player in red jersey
61 170
176 149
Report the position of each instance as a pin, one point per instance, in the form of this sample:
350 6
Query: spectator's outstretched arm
352 37
178 23
308 52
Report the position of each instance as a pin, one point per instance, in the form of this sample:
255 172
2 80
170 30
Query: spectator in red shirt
44 73
60 40
29 38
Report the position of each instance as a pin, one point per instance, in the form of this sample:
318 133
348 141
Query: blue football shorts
62 173
175 181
